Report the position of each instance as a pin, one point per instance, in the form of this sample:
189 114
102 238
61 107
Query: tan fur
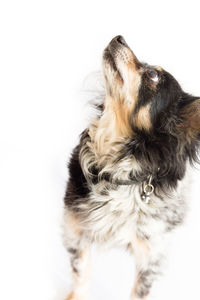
142 246
141 249
159 68
71 296
81 280
141 252
112 127
142 119
119 111
73 223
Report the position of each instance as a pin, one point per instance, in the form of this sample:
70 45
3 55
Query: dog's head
146 99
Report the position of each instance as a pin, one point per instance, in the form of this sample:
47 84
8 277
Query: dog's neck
131 162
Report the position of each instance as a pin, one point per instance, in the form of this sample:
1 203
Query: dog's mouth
118 55
109 58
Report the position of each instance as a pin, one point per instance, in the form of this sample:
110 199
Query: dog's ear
190 118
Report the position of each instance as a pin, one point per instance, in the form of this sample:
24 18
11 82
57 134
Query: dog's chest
117 214
112 214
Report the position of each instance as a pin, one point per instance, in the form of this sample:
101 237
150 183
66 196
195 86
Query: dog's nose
119 39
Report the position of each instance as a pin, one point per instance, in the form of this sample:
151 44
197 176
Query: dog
128 174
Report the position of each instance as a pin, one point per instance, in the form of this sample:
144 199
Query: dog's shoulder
77 187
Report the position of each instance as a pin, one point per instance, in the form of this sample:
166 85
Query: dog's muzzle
118 53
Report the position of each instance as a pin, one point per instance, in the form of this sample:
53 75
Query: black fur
77 187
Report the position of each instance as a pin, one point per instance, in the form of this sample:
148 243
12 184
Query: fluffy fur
146 126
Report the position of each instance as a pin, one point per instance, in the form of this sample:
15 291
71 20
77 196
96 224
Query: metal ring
148 189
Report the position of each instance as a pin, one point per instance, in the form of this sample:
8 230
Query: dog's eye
153 75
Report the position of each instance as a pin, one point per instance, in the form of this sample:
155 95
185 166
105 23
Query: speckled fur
137 137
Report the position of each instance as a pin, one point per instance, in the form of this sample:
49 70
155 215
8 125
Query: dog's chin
117 59
109 60
113 76
112 53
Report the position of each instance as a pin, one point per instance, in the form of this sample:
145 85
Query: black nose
121 40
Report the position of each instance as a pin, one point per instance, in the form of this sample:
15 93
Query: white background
47 49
